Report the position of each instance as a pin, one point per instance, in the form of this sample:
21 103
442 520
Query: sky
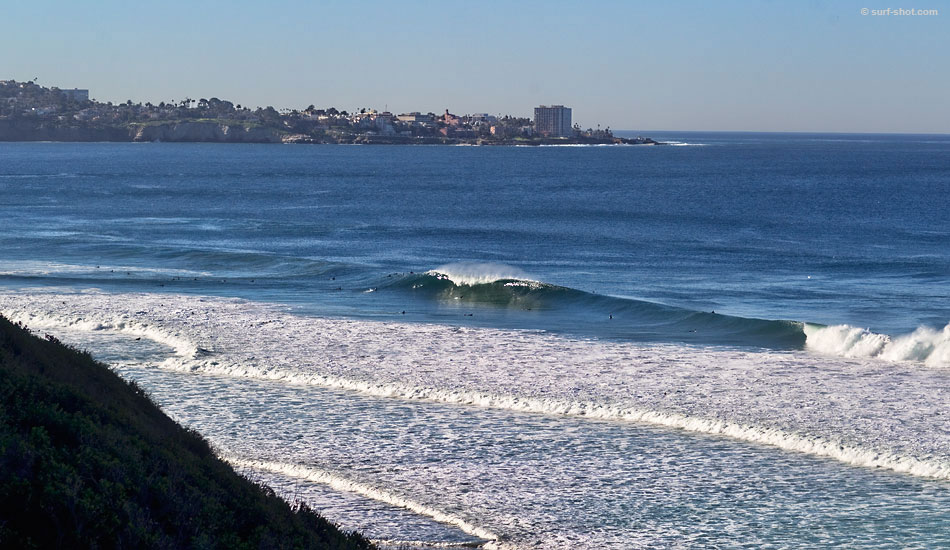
805 66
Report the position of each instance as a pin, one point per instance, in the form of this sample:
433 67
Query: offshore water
740 340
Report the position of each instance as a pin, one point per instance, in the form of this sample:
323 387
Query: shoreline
185 131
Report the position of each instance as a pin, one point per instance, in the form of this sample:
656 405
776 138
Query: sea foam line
400 543
336 482
782 439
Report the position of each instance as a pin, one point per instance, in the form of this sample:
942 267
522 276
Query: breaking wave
927 345
477 273
499 285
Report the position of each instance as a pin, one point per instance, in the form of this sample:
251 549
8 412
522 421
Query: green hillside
88 461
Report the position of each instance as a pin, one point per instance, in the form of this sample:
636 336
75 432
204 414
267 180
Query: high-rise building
553 121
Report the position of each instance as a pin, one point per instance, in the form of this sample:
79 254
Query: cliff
204 131
39 130
87 461
224 131
31 130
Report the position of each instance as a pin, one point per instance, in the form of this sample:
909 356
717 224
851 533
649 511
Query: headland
30 112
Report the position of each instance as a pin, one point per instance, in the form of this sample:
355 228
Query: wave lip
480 273
926 345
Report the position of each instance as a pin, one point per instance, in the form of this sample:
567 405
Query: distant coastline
234 132
29 112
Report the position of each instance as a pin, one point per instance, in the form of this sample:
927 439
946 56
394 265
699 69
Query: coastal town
30 112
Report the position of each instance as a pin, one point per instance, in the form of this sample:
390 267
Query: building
482 117
553 121
76 94
451 120
416 117
383 119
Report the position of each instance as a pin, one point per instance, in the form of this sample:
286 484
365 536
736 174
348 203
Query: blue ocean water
732 340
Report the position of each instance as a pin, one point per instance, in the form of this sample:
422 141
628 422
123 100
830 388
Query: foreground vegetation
88 461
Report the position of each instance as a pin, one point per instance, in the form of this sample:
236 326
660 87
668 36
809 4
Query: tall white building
553 121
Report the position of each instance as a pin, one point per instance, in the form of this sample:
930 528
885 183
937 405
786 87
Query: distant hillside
88 461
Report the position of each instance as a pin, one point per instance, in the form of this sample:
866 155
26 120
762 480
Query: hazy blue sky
767 66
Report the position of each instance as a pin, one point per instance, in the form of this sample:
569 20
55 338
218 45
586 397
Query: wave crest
927 345
479 273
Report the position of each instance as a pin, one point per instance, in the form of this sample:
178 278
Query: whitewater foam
682 144
123 323
926 345
856 412
849 454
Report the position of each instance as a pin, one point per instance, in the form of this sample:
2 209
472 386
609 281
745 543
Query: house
451 120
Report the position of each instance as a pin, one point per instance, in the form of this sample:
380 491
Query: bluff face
204 131
209 131
31 130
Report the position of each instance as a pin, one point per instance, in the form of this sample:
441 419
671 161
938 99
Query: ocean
736 340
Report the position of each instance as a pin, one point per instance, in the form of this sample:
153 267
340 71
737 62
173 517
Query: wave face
501 286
